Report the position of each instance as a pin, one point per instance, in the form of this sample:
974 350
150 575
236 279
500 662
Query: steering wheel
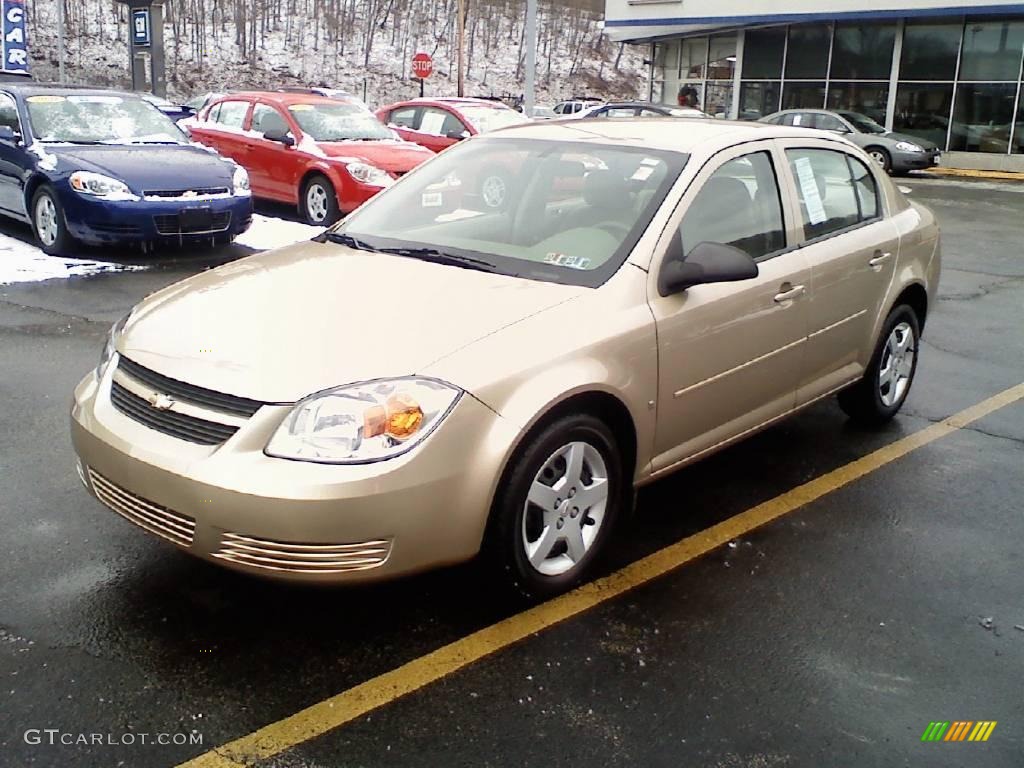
614 228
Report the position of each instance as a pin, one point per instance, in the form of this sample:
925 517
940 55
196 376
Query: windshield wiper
441 257
352 242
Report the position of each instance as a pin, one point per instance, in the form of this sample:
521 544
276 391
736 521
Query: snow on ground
22 262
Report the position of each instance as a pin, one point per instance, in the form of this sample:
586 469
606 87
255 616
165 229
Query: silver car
897 153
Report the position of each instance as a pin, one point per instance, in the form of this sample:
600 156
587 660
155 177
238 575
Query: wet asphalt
831 637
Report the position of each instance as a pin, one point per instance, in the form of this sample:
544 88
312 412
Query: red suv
328 156
439 123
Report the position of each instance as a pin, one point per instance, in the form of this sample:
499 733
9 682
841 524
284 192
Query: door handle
879 258
788 293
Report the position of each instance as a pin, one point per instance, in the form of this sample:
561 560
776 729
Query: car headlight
240 181
906 146
369 174
98 185
110 346
360 423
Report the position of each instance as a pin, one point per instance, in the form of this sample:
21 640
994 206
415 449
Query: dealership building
945 70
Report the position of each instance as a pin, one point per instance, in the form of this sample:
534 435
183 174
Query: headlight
110 347
906 146
369 174
360 423
98 185
241 181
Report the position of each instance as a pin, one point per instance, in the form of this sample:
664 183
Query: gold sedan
457 367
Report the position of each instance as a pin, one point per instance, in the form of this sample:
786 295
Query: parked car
637 109
330 93
897 153
200 102
434 379
572 106
99 167
441 122
544 112
323 155
174 111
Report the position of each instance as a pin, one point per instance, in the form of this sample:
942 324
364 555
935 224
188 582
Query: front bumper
235 506
100 222
915 161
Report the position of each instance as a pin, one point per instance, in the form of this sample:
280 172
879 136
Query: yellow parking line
320 718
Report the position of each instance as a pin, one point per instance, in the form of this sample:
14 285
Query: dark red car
439 123
328 156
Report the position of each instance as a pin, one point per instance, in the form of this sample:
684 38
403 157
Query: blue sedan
102 167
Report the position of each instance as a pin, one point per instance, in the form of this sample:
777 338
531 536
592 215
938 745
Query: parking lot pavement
831 636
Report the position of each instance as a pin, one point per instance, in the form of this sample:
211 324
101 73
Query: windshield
489 118
862 123
100 120
339 122
555 211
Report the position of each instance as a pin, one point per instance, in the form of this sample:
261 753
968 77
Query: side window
619 112
829 123
231 114
867 189
266 119
651 113
739 205
9 113
439 122
824 185
213 114
404 117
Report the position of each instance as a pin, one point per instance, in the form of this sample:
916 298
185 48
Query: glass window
1018 129
758 100
439 122
267 119
762 53
922 110
867 190
869 99
863 51
982 117
824 185
232 114
693 56
339 121
992 50
930 51
100 119
807 55
719 99
722 58
803 96
861 123
406 117
739 205
9 113
826 122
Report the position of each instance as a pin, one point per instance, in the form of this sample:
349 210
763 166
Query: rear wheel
319 202
557 506
48 222
880 394
881 157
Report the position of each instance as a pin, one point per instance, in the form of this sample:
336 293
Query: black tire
863 402
881 156
505 547
495 188
330 201
63 244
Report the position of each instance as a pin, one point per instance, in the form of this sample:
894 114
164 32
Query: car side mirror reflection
281 137
705 263
457 135
9 135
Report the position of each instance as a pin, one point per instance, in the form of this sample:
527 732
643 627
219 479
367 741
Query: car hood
156 166
391 155
284 324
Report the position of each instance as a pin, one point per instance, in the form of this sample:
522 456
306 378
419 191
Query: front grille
115 229
177 425
170 224
302 558
185 194
177 528
218 401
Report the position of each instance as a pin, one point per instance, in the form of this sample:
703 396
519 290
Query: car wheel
556 507
495 189
879 395
51 230
319 203
881 157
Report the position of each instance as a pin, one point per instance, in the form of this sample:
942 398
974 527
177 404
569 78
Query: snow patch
24 263
267 232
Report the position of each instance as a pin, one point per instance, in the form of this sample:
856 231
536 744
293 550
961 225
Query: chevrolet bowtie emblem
161 401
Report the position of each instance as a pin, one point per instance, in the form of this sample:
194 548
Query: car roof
40 89
462 101
668 133
284 99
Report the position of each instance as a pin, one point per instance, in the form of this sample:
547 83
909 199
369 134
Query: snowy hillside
351 44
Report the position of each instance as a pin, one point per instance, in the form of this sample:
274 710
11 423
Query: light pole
462 35
60 40
531 57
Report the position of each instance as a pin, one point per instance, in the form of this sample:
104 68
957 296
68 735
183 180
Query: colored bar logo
959 730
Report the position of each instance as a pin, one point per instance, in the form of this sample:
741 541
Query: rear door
851 247
224 129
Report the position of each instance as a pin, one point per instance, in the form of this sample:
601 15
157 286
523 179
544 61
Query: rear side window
825 122
230 114
739 205
830 198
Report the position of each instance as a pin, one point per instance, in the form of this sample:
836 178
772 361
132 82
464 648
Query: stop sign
422 65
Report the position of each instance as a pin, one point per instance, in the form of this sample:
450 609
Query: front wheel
881 157
879 395
319 202
557 506
48 223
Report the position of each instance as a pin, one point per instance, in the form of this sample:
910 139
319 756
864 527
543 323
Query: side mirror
705 263
457 135
280 137
9 135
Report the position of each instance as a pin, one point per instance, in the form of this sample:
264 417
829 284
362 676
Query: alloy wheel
46 220
316 202
897 365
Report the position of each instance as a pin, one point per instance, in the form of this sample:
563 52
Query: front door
273 167
14 160
730 355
